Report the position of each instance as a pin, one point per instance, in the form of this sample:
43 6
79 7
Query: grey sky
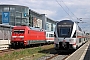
79 8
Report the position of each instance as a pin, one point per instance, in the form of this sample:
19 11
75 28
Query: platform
83 53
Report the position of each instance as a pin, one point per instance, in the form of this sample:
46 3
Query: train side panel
34 37
49 36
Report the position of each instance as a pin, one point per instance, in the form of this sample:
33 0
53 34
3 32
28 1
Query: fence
5 36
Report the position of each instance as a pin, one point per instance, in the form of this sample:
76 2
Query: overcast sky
58 9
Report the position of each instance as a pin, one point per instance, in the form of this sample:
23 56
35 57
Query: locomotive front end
17 38
65 35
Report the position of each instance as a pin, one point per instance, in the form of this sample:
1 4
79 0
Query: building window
12 9
6 8
0 9
18 14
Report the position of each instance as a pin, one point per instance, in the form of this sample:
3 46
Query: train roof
66 22
69 21
6 26
32 28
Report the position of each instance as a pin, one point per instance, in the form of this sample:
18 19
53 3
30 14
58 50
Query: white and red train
68 36
25 35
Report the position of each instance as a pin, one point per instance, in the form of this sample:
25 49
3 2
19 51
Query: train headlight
25 41
71 41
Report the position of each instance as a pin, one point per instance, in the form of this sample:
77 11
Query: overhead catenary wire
65 10
80 19
69 9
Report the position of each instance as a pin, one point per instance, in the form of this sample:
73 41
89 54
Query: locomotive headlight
71 40
25 41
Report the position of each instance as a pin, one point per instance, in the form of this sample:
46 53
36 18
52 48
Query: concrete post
44 21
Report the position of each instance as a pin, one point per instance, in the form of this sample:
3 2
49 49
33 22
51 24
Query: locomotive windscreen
18 31
64 28
64 32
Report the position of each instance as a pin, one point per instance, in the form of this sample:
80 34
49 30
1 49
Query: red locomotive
24 35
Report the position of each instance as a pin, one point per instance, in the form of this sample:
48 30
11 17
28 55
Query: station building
41 21
17 15
13 15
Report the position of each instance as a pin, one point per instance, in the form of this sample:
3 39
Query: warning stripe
49 38
80 36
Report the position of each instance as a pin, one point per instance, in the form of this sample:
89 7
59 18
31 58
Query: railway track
54 57
51 56
48 57
2 52
7 51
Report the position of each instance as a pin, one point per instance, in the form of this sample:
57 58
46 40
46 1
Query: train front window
64 32
18 31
